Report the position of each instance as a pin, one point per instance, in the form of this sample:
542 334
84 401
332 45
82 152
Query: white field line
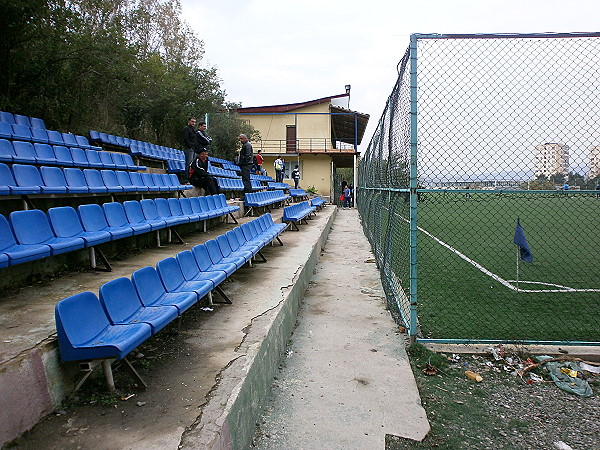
498 278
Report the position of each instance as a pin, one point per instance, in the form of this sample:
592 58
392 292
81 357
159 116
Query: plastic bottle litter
473 376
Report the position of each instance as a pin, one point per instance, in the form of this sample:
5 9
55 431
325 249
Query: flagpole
518 257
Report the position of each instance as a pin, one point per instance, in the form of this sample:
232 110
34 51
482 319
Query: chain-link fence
479 133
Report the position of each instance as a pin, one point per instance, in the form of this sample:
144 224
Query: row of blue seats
138 147
20 119
277 185
229 166
299 193
261 177
218 172
265 198
59 155
236 184
24 179
297 213
30 234
43 136
317 202
128 311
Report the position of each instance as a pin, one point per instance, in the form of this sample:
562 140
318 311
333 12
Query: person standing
259 163
199 176
282 176
190 140
203 139
245 162
278 165
347 197
296 176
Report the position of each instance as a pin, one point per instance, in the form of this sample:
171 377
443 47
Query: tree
225 128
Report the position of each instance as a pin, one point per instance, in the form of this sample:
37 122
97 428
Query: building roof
342 121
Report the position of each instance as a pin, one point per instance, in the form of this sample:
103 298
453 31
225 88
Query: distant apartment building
594 161
550 159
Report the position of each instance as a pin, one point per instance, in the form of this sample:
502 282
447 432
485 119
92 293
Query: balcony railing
305 145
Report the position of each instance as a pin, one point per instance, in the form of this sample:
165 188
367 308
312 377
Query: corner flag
521 241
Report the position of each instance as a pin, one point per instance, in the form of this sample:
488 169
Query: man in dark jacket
190 139
245 162
203 139
199 176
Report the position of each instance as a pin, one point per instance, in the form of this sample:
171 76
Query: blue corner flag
521 241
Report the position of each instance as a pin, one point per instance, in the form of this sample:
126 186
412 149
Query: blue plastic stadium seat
79 157
22 120
29 177
131 164
162 206
153 293
107 160
31 227
116 217
38 123
14 252
205 264
135 216
6 180
7 117
124 181
39 135
54 177
69 140
93 219
55 137
174 281
5 130
191 271
65 222
186 207
136 180
95 136
93 158
215 255
149 181
75 179
151 213
119 161
227 252
45 154
82 142
21 132
94 180
176 211
123 306
7 151
109 177
24 152
63 156
85 332
159 181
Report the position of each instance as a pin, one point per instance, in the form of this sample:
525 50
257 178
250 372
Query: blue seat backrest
79 157
119 299
7 117
93 178
170 273
63 155
200 253
21 132
38 123
74 177
6 130
7 238
53 176
82 141
39 134
22 120
55 137
187 264
136 179
65 222
31 226
115 214
24 149
175 207
26 175
162 206
110 179
7 151
186 206
123 178
149 209
93 158
92 217
148 285
81 318
6 176
107 159
69 140
44 151
133 211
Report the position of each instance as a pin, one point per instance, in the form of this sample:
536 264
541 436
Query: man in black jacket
203 139
245 162
199 176
190 139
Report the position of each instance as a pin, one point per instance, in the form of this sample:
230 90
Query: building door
290 139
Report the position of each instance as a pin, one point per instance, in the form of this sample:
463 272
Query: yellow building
317 135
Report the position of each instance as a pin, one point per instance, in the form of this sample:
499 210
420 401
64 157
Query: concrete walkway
346 381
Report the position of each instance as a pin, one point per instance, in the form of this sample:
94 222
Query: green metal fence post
413 188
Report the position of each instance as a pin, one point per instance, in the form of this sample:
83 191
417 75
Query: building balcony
303 145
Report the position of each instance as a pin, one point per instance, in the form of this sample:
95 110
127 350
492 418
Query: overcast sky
270 52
